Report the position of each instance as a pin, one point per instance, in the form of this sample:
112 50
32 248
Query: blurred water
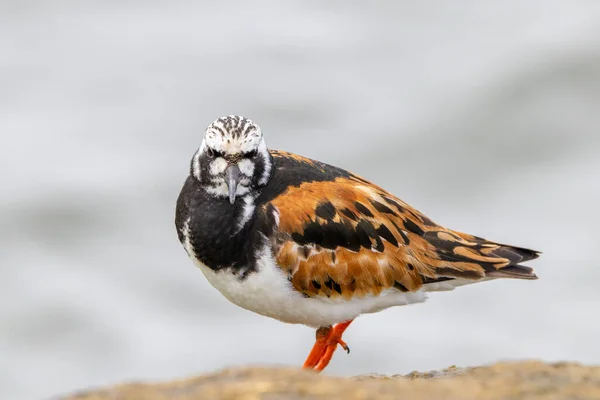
483 115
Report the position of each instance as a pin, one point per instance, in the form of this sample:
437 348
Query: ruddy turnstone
308 243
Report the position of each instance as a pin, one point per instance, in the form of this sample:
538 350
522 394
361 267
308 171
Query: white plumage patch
187 245
268 292
262 149
196 165
217 166
247 211
246 167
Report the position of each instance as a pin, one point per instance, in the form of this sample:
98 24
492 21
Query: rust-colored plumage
348 238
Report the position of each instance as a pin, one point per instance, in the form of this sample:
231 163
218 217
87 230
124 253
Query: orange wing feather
348 237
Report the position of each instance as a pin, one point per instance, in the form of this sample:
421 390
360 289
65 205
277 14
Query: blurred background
483 115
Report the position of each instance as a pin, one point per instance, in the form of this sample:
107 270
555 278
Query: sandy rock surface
524 380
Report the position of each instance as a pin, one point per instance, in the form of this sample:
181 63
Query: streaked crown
233 134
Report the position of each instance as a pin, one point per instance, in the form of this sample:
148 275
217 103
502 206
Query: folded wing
347 237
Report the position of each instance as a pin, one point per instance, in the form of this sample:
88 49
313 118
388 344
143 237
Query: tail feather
516 254
513 271
488 259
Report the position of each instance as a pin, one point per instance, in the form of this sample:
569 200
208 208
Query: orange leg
327 340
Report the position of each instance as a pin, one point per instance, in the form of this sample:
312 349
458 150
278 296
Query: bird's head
233 158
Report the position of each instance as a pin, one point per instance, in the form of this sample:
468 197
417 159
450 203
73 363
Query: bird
305 242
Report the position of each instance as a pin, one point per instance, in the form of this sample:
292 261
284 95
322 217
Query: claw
345 347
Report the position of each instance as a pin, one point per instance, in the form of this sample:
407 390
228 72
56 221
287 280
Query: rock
524 380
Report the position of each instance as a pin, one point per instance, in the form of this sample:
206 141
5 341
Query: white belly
268 292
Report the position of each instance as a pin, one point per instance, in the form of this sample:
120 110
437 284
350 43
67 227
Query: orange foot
327 340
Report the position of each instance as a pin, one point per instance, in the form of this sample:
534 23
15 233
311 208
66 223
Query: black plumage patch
215 237
363 209
366 232
363 237
333 235
414 228
325 210
350 214
382 207
298 238
385 233
330 235
395 204
337 287
333 285
312 234
351 239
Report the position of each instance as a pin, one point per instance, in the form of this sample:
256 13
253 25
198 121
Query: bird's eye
251 154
